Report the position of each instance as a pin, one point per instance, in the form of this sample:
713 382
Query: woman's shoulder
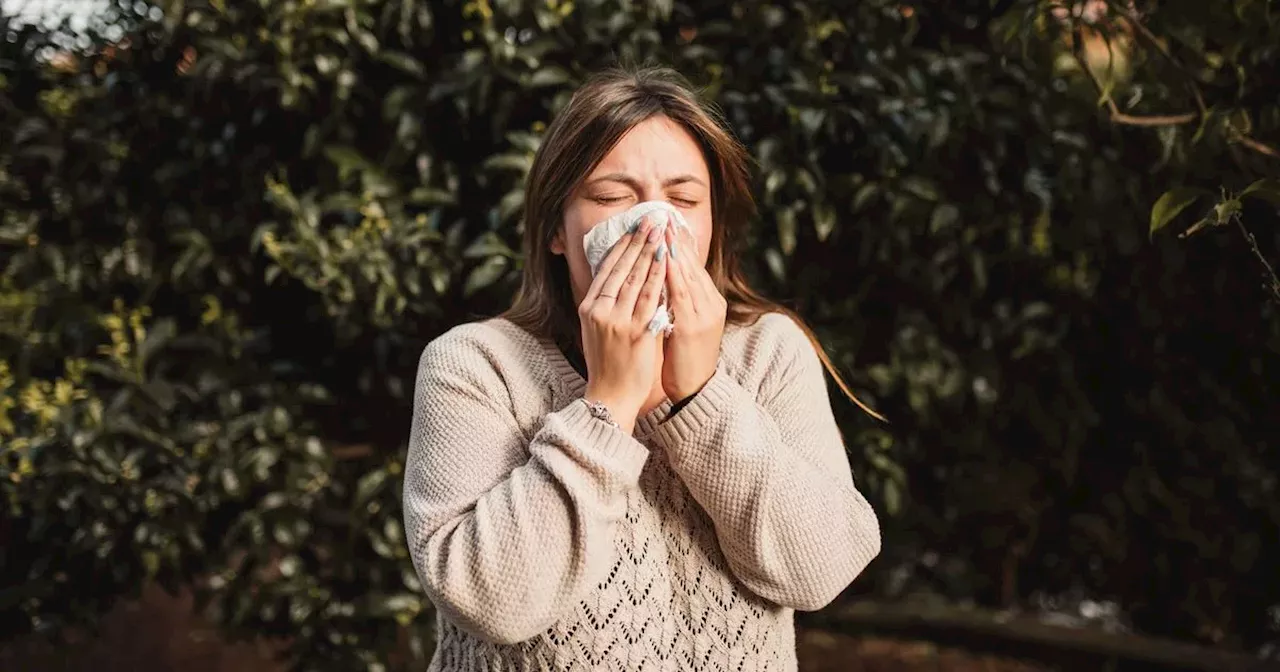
771 348
489 344
492 362
769 337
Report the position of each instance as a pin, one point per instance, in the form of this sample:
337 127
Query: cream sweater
549 540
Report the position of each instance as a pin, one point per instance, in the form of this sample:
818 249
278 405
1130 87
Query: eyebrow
635 184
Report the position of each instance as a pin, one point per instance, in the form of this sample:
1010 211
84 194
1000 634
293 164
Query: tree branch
1117 116
1158 120
1273 282
1135 22
1258 146
1123 118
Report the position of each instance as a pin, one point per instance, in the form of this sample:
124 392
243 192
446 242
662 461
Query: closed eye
608 200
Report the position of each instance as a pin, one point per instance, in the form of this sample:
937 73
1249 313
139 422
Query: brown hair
608 105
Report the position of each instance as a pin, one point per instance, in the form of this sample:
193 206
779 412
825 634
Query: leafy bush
229 233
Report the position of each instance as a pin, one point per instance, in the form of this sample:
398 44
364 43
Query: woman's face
657 160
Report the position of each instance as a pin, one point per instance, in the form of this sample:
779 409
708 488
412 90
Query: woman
582 494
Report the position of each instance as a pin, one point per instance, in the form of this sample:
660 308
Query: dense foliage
229 228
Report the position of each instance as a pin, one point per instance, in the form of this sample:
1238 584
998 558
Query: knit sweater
550 540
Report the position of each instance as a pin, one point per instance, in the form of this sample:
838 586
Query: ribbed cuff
707 406
618 452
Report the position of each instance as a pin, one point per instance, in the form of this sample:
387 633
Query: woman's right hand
620 352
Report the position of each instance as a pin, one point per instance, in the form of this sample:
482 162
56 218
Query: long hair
597 116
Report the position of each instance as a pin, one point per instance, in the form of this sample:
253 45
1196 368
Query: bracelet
600 412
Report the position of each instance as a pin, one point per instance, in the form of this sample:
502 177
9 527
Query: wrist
683 394
621 411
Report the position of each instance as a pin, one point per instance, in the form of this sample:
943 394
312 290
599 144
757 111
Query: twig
1159 120
1136 22
1273 282
1258 146
1126 119
352 452
1117 116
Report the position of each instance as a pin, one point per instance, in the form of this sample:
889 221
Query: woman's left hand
691 352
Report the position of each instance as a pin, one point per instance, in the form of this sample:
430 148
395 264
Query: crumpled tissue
603 236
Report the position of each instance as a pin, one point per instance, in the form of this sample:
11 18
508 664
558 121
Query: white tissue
603 236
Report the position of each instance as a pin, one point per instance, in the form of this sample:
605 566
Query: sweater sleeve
771 471
506 532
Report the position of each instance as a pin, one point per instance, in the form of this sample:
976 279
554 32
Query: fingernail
660 254
673 250
655 233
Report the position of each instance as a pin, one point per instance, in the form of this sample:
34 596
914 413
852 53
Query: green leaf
1170 205
773 181
806 182
510 204
787 230
864 195
518 162
1267 189
944 217
484 275
327 64
1210 118
920 187
777 267
369 485
440 279
345 158
403 62
525 142
1226 210
430 196
290 565
161 392
158 335
230 482
892 497
824 221
402 602
366 40
487 245
551 75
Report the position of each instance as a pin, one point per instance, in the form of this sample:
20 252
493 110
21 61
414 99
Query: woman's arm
505 537
770 470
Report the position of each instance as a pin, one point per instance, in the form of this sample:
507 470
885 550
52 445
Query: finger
606 267
648 258
678 286
706 286
696 276
651 291
621 270
712 300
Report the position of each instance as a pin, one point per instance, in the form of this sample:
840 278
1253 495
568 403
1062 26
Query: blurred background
1037 235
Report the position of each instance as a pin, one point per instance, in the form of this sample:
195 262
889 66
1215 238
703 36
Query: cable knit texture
549 540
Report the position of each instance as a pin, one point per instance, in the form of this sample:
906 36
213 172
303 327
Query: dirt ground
159 634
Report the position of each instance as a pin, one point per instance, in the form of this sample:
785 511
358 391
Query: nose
651 190
658 218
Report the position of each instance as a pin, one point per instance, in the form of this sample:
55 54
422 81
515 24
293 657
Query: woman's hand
698 311
621 354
